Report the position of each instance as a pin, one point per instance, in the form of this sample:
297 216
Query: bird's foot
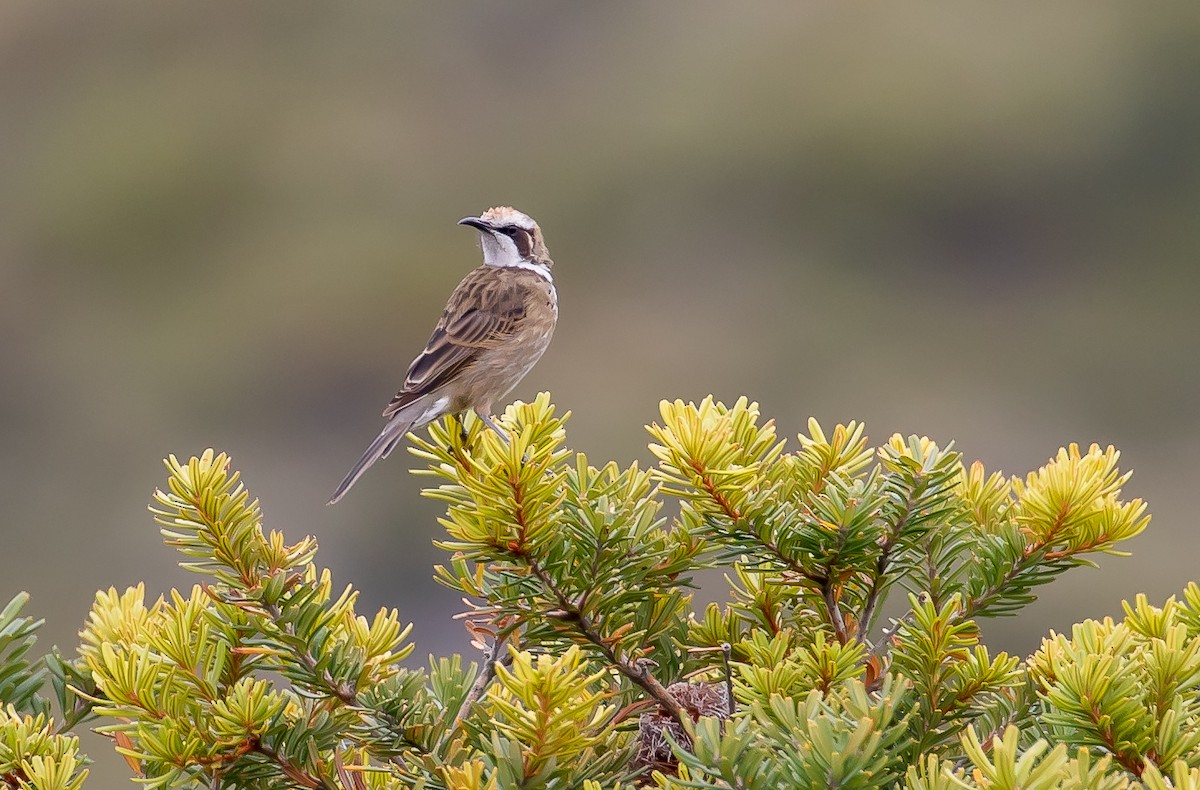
461 450
503 434
495 426
463 435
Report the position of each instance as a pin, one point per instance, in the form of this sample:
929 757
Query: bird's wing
483 310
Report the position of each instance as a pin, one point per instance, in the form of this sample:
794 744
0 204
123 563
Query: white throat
501 252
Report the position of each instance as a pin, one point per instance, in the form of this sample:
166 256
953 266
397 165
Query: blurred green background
232 225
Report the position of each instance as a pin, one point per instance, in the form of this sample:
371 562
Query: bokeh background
231 225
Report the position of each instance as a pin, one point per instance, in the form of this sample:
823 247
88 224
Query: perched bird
495 327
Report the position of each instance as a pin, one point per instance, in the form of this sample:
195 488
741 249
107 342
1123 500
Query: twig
726 651
885 638
350 781
979 602
881 566
726 655
835 611
495 655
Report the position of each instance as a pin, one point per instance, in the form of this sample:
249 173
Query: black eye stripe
520 237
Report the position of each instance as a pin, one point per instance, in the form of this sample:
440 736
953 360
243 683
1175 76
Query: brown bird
495 327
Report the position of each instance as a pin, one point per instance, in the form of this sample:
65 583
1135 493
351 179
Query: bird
495 327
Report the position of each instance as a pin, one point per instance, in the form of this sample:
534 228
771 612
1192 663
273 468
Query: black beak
475 222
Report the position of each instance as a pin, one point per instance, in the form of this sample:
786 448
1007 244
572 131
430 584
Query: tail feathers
391 435
414 415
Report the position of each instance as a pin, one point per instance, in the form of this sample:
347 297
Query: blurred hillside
232 225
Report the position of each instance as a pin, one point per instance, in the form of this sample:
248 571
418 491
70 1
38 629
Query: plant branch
343 693
880 649
297 775
637 671
978 602
346 695
881 568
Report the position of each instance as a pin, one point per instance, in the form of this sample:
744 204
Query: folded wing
481 313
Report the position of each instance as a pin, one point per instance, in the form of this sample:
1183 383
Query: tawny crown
507 215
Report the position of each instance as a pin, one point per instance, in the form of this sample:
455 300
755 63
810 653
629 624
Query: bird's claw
503 434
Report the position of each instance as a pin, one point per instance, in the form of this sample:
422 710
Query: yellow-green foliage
34 755
545 715
597 671
1131 688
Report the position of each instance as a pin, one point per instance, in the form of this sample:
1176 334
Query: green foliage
36 749
845 738
597 672
20 679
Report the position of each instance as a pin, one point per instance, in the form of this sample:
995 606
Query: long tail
412 416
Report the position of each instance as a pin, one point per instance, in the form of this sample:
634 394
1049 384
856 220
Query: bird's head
509 238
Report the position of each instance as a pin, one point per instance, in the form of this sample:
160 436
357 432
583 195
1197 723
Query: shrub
597 672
